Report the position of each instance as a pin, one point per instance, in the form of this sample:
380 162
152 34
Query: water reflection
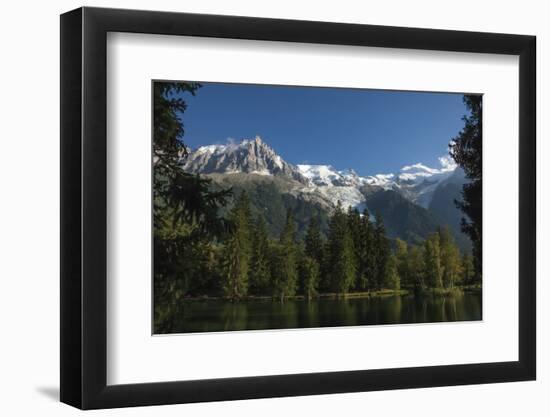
219 315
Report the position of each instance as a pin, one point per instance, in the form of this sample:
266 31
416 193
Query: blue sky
371 131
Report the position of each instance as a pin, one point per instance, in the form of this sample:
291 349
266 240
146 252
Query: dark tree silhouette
466 150
185 209
188 196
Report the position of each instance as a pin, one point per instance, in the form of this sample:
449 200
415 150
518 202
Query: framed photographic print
257 208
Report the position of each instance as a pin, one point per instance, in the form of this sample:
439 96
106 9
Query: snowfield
330 195
322 183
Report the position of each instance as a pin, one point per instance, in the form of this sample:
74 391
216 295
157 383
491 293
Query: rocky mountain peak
251 156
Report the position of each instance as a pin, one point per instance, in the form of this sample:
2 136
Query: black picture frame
84 207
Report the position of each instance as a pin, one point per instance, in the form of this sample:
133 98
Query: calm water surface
221 315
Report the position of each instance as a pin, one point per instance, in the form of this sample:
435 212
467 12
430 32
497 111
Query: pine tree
401 255
381 250
242 206
286 276
346 264
466 149
260 274
238 250
341 252
313 241
367 259
325 268
354 227
277 271
416 267
309 274
186 214
432 261
183 197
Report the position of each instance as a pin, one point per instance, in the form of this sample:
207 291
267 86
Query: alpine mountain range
413 202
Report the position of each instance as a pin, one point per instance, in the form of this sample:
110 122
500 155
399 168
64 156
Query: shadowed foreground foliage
466 150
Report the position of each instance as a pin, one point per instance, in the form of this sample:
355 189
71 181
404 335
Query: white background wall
29 211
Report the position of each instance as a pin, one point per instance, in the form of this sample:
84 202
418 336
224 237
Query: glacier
324 183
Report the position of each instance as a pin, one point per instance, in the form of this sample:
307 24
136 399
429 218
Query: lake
222 315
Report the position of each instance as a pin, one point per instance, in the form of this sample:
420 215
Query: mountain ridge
405 199
416 182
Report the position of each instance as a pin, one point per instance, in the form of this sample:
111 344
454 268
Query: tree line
355 256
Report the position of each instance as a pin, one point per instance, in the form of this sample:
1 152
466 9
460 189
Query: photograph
288 207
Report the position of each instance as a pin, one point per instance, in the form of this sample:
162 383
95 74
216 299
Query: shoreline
334 296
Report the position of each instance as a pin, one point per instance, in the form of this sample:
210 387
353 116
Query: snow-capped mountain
326 175
416 182
323 183
413 201
252 156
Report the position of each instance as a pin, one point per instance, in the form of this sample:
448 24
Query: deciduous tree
432 261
